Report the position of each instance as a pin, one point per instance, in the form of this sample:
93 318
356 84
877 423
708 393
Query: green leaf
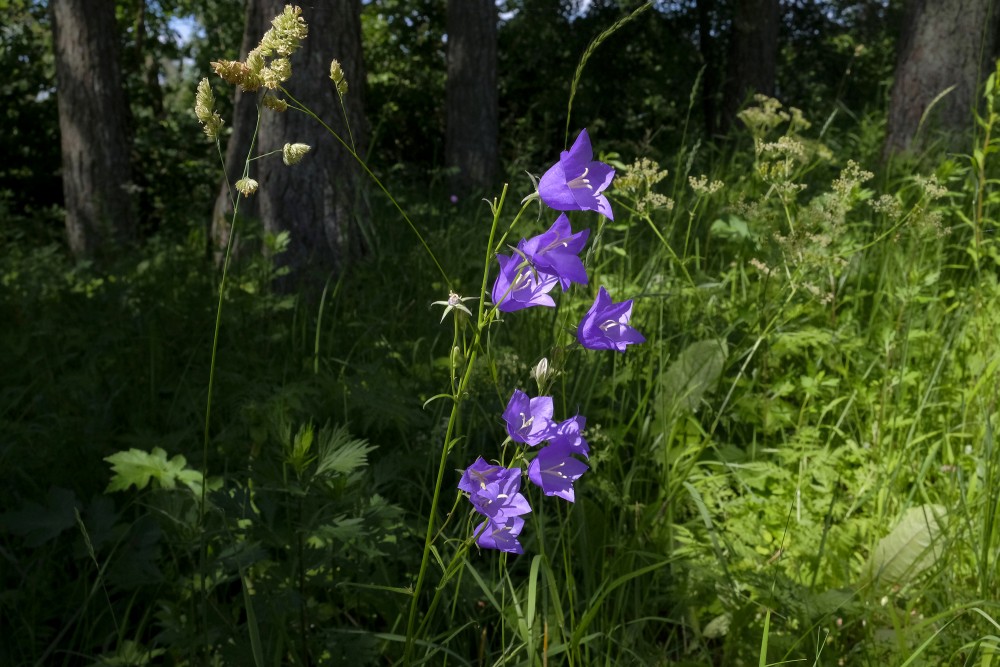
692 375
339 453
912 547
140 468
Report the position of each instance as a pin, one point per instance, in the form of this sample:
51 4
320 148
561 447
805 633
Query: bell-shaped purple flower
520 285
556 252
576 182
500 500
567 434
528 420
555 470
502 536
478 475
605 326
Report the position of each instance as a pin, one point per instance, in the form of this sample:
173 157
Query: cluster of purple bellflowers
526 278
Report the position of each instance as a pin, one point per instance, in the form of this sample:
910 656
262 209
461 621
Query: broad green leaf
693 374
911 548
140 468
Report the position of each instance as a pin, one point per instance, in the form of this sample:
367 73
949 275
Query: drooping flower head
556 252
502 536
605 326
528 420
576 182
494 492
520 286
555 470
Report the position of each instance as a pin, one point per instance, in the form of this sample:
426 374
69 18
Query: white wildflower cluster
702 187
851 177
637 181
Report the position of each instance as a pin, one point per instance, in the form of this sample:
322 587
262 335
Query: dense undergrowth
798 465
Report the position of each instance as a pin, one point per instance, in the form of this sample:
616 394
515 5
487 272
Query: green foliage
799 465
139 468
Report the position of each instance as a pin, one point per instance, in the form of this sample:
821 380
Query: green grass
820 377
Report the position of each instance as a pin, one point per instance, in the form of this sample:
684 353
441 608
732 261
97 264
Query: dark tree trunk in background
471 133
244 123
321 200
944 43
706 46
147 64
92 125
753 54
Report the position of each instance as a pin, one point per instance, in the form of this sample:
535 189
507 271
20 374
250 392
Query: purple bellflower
528 420
605 326
567 434
495 493
478 475
576 182
520 285
502 536
556 252
555 470
501 500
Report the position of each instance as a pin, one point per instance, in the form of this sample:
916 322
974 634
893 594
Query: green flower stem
482 322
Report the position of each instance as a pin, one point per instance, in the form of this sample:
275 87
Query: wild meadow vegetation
796 466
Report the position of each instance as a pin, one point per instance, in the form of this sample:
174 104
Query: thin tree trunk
320 201
471 133
147 63
92 127
244 124
706 46
753 53
944 43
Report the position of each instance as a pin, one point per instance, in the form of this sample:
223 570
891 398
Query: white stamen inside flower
607 324
555 244
526 422
581 181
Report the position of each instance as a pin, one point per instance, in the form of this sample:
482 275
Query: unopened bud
541 373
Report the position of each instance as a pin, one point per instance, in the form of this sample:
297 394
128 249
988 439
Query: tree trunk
944 43
92 127
753 53
244 123
471 131
321 200
706 46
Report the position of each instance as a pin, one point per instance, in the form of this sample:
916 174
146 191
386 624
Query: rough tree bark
321 200
944 43
710 79
753 54
244 123
93 112
472 125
